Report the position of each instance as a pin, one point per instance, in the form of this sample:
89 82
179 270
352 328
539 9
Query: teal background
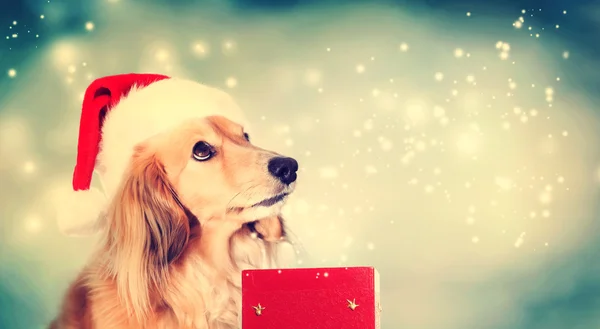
475 196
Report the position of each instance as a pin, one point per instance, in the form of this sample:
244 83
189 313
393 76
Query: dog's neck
214 244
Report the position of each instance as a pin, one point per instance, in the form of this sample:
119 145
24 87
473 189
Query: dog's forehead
213 127
224 124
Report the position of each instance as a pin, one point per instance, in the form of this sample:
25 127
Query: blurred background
453 144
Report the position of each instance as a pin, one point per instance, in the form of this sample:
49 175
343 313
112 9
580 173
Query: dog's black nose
284 169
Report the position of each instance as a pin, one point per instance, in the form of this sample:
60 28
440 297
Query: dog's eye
246 136
202 151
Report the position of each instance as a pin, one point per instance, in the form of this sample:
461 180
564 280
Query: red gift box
311 298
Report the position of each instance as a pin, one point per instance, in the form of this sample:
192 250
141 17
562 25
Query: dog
198 204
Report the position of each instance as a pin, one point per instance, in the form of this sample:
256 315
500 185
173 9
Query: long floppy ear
271 229
148 228
250 252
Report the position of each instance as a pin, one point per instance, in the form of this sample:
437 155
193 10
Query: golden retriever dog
197 204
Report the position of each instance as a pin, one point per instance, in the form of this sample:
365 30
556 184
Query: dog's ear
148 228
271 229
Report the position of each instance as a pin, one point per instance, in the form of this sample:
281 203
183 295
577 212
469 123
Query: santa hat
118 113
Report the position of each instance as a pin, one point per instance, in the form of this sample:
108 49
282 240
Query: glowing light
518 24
545 197
12 73
385 144
458 53
200 49
415 112
161 55
360 68
520 240
228 47
403 47
370 170
438 111
231 82
33 224
29 167
312 77
89 26
328 172
468 143
64 54
504 183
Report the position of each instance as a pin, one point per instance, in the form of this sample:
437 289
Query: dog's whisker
243 192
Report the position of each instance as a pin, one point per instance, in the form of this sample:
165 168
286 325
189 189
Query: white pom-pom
79 212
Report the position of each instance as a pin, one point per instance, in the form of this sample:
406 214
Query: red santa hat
118 113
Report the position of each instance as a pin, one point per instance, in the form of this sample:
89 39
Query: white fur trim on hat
150 110
81 212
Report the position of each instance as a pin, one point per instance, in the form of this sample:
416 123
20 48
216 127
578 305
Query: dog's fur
178 233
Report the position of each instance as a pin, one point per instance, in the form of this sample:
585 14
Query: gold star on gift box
352 304
258 309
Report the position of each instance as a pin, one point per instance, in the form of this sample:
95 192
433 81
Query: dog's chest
211 301
204 300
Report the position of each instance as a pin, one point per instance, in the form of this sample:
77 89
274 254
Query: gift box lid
311 298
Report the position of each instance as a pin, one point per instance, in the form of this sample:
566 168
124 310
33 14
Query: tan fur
178 235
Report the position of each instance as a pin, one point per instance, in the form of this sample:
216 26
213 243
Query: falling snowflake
520 240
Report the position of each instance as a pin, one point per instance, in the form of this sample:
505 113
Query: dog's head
220 175
204 172
201 181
